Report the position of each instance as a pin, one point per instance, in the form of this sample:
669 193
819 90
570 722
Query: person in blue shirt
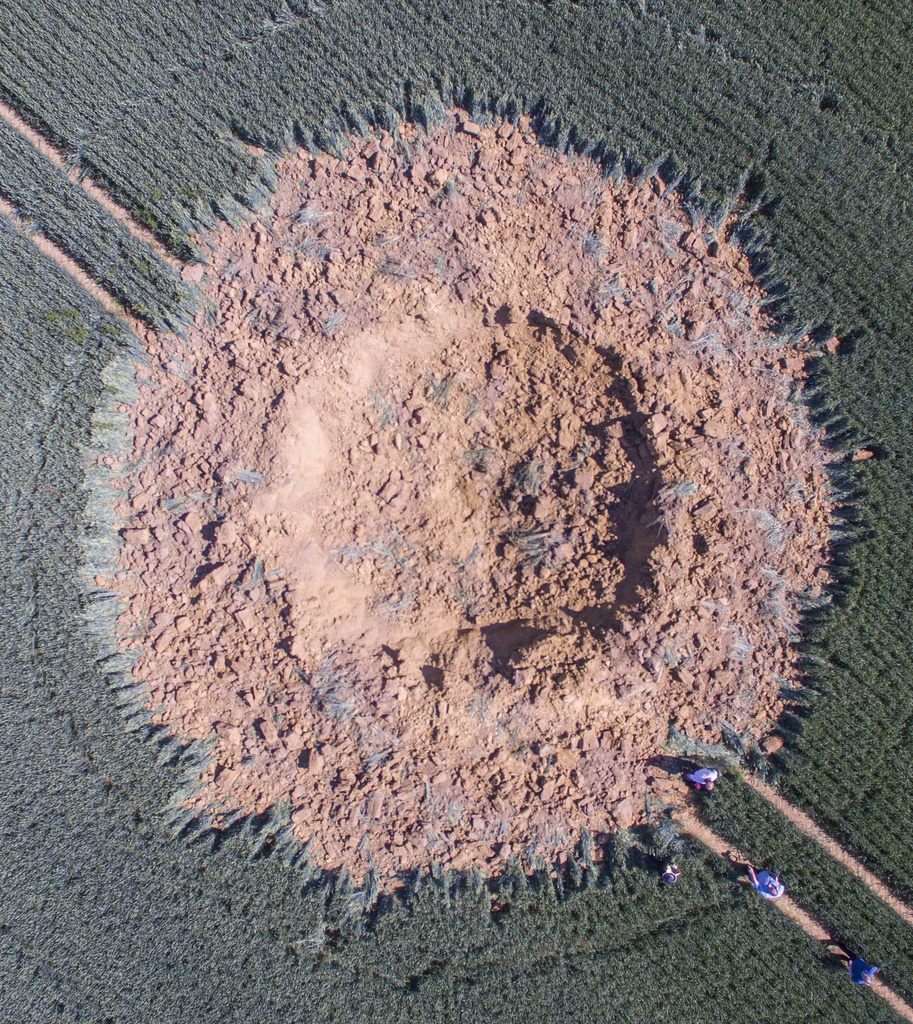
861 972
767 883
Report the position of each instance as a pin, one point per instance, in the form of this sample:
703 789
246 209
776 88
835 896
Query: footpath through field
807 826
806 922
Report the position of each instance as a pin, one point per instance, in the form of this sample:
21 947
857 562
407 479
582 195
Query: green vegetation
811 101
126 267
851 740
620 954
839 900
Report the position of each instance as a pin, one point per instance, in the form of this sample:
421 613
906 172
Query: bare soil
478 472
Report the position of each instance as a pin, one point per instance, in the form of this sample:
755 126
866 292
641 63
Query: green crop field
853 916
106 914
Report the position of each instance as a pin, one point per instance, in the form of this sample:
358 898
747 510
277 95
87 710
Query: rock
193 273
163 641
216 579
862 454
357 171
137 537
470 128
589 740
771 744
658 423
267 731
489 216
229 732
563 552
227 533
625 812
685 677
245 618
488 159
379 163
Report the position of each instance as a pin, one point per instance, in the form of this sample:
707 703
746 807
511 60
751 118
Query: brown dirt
478 472
810 925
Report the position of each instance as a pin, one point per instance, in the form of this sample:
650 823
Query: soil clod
478 472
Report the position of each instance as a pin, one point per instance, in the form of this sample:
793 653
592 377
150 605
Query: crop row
829 891
61 211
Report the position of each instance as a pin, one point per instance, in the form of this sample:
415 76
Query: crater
479 469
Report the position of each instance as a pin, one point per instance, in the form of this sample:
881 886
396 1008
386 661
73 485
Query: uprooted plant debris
479 471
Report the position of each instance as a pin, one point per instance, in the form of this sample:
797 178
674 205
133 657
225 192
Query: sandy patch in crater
479 471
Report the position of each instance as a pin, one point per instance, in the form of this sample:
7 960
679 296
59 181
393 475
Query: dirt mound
478 472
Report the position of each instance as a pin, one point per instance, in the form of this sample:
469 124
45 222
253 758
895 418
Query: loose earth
478 471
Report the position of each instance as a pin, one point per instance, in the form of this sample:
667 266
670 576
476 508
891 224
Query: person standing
767 883
861 972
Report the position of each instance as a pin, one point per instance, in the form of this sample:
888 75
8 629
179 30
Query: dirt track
66 264
84 182
806 825
803 919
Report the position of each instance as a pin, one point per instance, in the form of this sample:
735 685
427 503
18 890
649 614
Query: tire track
812 927
809 828
66 264
40 143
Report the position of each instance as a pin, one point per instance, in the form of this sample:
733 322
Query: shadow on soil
635 514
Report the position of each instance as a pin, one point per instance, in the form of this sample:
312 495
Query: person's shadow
680 767
836 958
